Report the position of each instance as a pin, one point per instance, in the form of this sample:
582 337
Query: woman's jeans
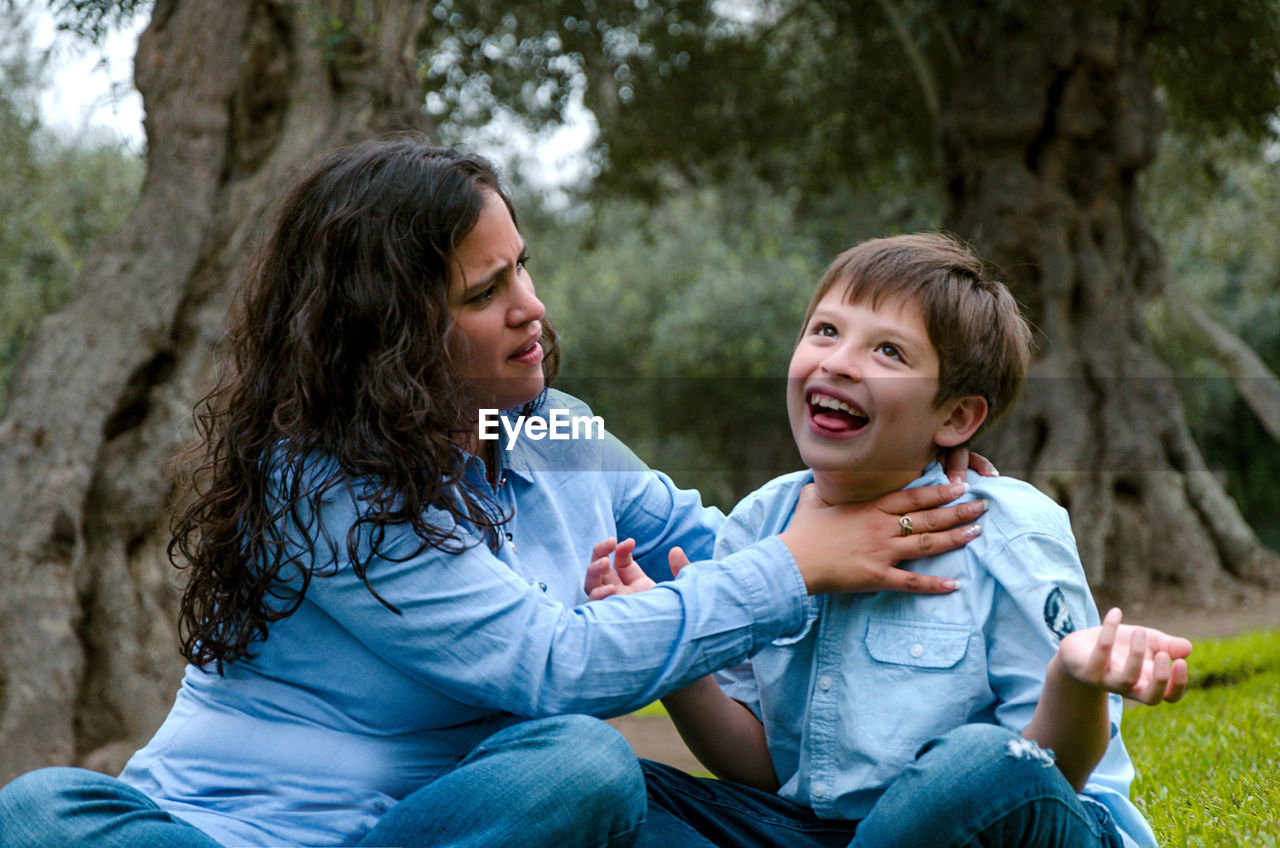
979 785
564 781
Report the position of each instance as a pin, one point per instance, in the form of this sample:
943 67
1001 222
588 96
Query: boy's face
860 396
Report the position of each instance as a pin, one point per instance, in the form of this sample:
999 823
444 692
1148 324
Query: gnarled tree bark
238 93
1045 131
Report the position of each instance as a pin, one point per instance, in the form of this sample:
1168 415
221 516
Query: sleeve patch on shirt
1056 614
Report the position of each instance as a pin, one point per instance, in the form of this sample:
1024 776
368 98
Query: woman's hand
1141 663
855 547
956 461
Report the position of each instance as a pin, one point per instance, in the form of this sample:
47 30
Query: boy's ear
967 415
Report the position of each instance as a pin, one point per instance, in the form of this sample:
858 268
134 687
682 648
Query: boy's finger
1137 655
1161 670
677 559
1100 658
1178 679
623 564
604 548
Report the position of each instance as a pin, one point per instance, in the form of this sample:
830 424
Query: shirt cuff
776 589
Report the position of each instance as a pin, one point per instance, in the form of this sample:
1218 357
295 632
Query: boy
898 719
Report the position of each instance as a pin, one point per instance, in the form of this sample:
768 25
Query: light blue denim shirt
348 707
848 703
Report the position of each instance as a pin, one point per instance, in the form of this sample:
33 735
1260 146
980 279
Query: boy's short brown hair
983 342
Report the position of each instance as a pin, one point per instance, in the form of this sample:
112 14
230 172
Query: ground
654 737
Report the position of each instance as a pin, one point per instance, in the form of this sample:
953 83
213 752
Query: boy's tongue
836 419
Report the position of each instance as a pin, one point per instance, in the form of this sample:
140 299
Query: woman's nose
527 307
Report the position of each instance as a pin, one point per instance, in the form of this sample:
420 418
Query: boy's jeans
964 789
564 781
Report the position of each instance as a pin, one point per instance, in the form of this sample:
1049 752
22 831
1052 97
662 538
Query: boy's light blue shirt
348 707
848 703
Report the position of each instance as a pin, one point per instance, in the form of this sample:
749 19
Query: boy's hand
622 576
1141 663
855 547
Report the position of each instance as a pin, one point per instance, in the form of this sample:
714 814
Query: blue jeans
964 789
564 781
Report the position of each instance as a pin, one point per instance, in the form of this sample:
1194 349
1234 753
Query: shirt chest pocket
917 644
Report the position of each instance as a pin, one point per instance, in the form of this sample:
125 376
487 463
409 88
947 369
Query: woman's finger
956 462
927 544
919 498
901 580
943 518
982 465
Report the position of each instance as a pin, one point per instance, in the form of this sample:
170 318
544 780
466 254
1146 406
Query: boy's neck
843 487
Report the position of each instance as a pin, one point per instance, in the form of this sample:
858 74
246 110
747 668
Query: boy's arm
1071 717
724 735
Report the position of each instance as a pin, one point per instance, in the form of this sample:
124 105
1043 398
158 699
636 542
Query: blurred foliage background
677 284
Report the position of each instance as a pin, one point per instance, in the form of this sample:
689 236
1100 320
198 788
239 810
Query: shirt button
819 789
824 683
917 650
542 586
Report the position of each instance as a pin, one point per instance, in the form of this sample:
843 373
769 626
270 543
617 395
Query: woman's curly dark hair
336 360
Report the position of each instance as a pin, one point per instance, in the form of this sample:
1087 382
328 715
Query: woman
383 616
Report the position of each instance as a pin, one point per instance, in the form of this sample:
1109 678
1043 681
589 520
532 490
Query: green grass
1209 765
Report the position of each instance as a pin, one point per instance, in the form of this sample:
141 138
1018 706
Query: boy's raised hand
1141 663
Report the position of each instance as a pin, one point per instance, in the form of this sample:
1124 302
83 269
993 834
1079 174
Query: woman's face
497 319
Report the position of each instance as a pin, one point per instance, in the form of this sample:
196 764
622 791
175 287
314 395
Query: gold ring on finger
905 523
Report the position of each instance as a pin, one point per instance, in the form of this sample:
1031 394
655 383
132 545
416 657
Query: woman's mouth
530 354
832 416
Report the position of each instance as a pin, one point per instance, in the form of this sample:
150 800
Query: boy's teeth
832 403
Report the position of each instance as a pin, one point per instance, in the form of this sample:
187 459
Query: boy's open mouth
833 414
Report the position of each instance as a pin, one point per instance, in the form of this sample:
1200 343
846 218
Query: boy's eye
825 330
890 350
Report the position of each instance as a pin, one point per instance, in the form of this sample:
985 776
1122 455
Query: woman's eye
484 296
522 264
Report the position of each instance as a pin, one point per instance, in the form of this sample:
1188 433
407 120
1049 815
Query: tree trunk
1253 380
237 94
1044 133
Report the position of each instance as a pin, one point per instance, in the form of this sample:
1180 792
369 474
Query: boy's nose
843 362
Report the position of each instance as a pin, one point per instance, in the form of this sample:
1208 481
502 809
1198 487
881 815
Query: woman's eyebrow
493 273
